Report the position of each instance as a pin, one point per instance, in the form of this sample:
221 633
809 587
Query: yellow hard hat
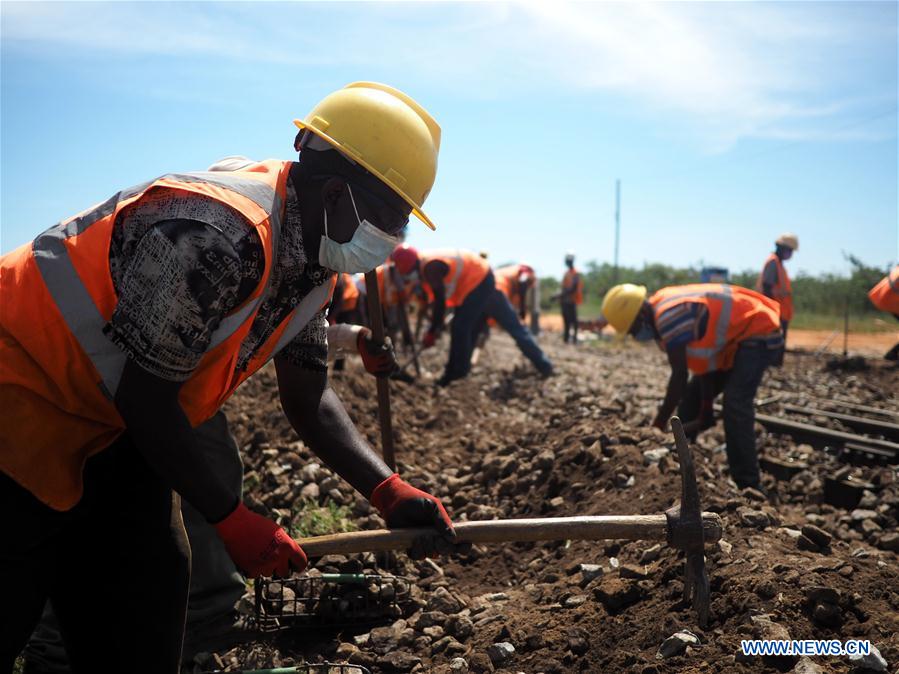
621 305
386 132
791 241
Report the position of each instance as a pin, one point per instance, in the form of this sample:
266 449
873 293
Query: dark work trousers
215 583
569 320
464 330
779 357
500 309
116 568
739 385
893 354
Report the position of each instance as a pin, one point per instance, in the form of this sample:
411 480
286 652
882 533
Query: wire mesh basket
313 668
331 600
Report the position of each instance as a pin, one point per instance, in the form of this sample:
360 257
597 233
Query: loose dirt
869 344
505 443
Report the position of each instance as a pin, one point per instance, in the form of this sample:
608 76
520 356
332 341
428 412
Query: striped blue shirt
681 324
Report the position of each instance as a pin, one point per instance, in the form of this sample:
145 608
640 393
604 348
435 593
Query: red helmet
526 273
405 257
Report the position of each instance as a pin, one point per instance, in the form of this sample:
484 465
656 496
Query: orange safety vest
59 373
568 282
885 295
783 289
466 271
507 281
350 293
735 315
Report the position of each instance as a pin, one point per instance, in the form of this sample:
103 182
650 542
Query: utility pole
617 224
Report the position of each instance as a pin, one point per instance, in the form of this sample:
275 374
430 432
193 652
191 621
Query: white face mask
368 248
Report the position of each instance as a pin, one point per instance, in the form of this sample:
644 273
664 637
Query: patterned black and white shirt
181 261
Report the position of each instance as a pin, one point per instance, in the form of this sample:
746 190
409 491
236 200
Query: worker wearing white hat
774 282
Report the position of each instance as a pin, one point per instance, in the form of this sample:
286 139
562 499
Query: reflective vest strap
255 190
457 273
75 303
304 313
77 307
233 321
719 324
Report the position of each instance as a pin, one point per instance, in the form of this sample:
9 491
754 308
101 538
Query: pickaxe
684 527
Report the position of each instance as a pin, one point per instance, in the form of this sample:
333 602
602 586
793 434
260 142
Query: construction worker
515 281
774 282
126 326
571 296
460 280
726 336
215 582
464 281
885 296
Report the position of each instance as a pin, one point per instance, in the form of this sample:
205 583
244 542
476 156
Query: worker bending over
774 282
885 296
726 336
128 325
513 282
458 279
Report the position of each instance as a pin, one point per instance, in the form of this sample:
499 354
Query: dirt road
868 344
505 443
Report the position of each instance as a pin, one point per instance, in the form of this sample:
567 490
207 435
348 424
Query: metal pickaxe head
689 531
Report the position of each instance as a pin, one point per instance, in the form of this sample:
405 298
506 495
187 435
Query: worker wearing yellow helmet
774 282
129 325
726 336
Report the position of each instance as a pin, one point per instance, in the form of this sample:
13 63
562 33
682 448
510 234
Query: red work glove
378 359
429 340
402 505
258 546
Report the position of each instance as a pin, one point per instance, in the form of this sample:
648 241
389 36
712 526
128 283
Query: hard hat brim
416 211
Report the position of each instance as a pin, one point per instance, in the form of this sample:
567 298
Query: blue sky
727 123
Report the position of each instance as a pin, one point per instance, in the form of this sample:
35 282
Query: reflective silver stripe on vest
78 308
724 316
255 190
304 313
233 321
451 286
727 302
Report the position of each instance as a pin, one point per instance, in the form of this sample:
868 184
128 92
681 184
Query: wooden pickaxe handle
377 332
591 528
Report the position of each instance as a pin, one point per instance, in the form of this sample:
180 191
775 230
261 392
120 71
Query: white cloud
726 71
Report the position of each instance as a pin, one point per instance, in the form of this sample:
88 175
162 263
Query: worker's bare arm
163 435
318 416
677 384
434 272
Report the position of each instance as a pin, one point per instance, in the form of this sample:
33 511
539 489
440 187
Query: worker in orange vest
774 282
514 281
126 326
571 297
458 279
726 336
466 282
885 296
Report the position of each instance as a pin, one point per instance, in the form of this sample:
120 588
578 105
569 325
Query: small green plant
310 519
